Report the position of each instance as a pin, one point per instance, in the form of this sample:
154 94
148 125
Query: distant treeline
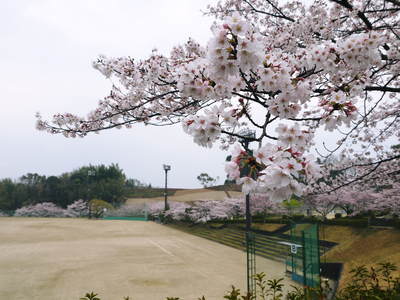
107 183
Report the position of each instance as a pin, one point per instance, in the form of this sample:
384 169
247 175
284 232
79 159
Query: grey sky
46 51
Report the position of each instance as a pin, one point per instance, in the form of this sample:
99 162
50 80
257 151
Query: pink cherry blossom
288 70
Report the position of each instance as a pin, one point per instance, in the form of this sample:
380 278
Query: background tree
292 205
206 180
106 183
8 198
322 204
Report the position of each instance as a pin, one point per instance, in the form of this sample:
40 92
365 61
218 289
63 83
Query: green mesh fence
126 218
304 258
251 262
132 212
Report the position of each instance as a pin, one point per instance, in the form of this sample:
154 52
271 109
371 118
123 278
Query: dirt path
61 259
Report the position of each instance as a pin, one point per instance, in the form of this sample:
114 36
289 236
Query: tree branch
382 89
360 14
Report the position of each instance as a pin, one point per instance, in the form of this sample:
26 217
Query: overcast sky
46 50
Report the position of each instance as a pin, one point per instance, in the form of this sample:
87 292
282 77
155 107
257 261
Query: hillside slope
189 195
361 246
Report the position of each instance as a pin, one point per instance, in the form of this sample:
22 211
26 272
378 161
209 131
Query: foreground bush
365 284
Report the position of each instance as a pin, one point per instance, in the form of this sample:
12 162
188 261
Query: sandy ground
189 196
61 259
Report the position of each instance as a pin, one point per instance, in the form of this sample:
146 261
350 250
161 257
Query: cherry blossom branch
360 14
383 89
395 2
281 14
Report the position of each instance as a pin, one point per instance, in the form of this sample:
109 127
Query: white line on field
161 248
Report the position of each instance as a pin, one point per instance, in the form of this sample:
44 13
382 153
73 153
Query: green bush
97 207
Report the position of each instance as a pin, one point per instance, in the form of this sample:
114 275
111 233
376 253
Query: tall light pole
89 173
247 137
166 169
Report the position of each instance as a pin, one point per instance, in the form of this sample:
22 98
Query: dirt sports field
61 259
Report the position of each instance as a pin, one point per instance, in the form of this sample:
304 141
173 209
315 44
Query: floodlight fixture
247 135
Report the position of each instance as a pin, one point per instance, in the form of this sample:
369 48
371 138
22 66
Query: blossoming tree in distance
288 70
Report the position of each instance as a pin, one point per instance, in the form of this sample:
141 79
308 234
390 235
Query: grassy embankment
362 246
356 246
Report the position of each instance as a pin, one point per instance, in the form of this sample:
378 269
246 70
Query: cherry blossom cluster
338 111
50 210
77 209
322 204
351 201
212 210
323 66
362 172
355 202
206 129
275 170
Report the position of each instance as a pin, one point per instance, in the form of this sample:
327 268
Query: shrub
3 214
97 207
45 209
77 209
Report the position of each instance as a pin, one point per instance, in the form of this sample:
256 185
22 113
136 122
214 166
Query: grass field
61 259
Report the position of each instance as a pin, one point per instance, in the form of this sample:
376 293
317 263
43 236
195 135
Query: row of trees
352 203
102 182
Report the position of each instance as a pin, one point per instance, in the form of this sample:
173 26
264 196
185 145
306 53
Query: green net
304 258
134 212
